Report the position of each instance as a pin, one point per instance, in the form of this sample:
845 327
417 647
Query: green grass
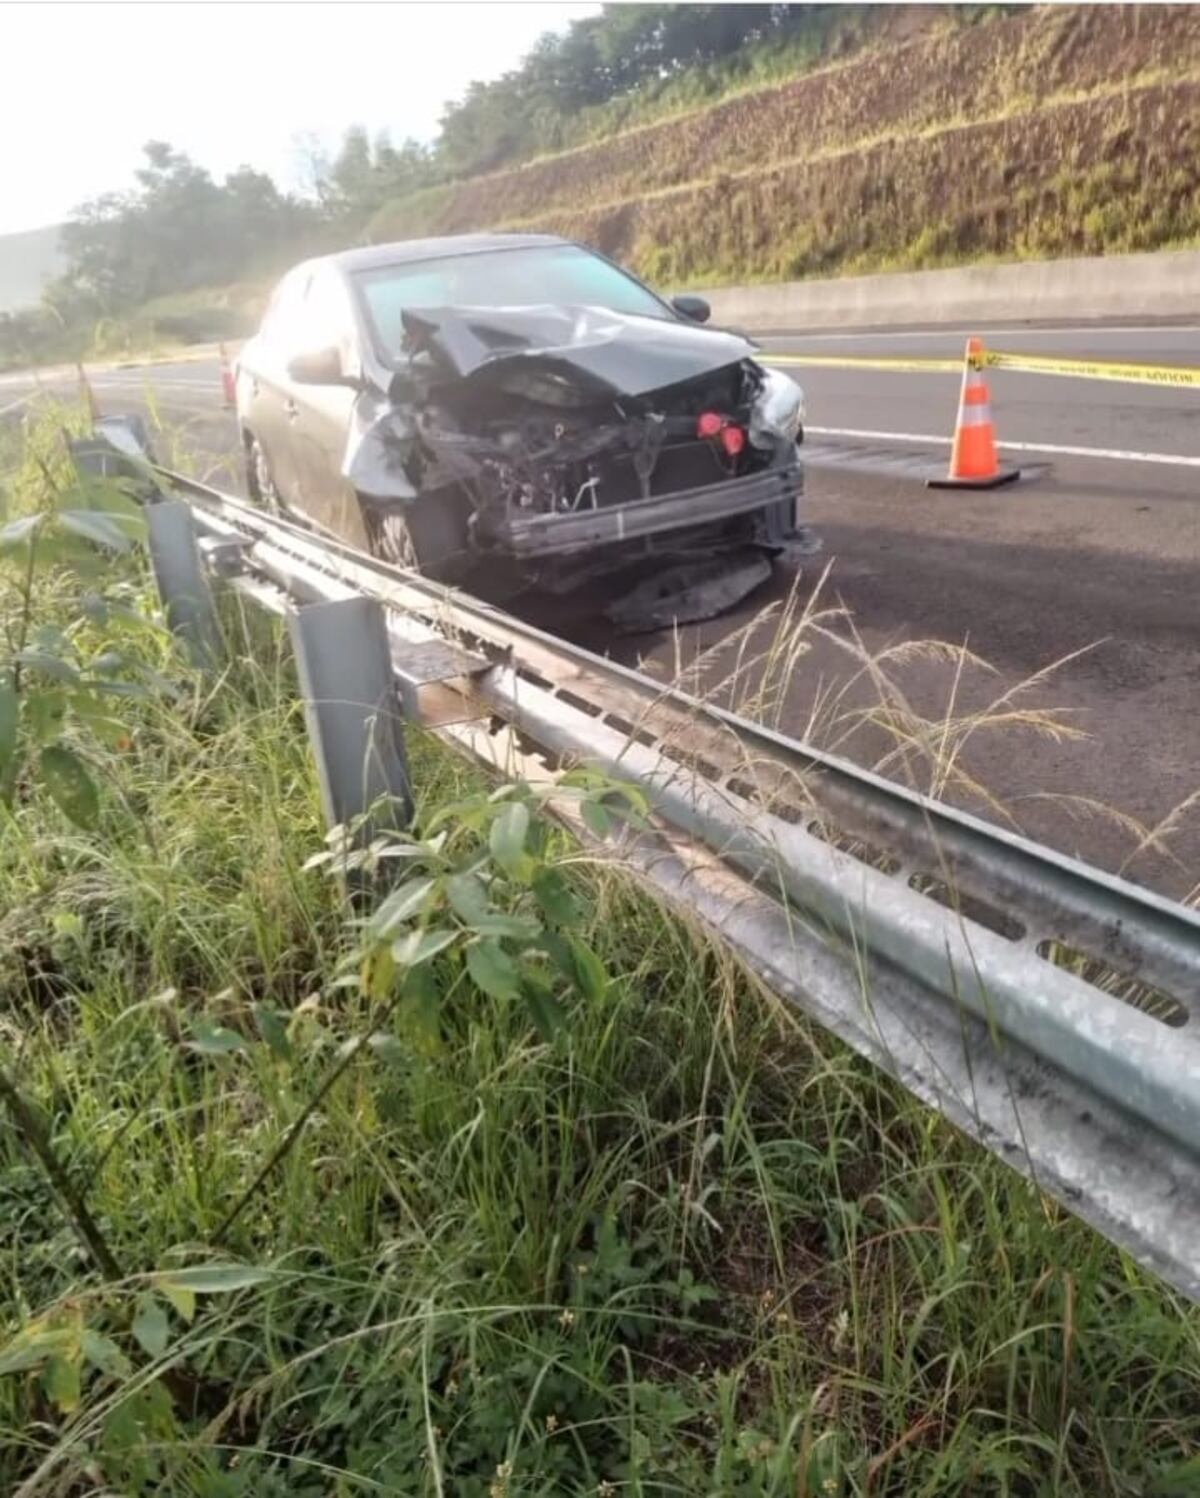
686 1245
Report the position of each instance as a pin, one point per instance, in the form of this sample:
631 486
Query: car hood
612 352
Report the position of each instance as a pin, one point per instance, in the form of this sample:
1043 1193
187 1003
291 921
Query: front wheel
259 479
389 538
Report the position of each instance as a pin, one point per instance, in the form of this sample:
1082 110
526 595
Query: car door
321 425
268 406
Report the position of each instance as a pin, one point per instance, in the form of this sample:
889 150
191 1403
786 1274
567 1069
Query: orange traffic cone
973 460
228 386
87 395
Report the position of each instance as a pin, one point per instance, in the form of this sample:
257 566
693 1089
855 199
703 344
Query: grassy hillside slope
1050 131
27 261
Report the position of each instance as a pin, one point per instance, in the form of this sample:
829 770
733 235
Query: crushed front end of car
564 444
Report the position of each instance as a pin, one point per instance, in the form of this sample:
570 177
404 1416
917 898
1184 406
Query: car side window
328 318
282 327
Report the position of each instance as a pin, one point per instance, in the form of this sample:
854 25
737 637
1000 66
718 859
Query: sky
86 84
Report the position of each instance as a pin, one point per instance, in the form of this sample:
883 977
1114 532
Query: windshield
564 274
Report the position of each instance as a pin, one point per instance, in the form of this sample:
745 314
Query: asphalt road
1079 587
1040 411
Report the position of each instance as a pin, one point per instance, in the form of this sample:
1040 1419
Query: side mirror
318 367
694 308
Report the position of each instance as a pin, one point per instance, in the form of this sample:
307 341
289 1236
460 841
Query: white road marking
1117 454
139 382
17 404
1007 332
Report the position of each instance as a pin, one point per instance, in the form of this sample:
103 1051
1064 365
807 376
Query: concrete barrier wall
1115 286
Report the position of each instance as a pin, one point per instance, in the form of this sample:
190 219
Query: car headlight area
778 410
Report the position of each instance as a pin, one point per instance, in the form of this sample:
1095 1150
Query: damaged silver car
507 412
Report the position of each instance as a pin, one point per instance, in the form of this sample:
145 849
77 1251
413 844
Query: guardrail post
354 721
182 585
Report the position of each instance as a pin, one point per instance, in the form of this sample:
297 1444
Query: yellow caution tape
835 361
1175 375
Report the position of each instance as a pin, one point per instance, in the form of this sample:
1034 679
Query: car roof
374 256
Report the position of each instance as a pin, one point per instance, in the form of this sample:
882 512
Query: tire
259 479
389 538
427 534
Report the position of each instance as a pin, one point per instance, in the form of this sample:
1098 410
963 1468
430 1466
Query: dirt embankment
1056 130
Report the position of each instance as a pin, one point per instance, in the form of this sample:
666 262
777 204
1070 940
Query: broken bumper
541 535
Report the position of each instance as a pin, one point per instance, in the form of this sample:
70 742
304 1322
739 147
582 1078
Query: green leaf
507 836
492 968
94 609
102 1352
544 1009
272 1026
150 1325
114 496
18 531
24 1352
44 713
213 1279
91 712
107 660
61 1383
577 963
401 905
421 1013
214 1040
48 664
497 923
181 1298
554 895
69 784
387 1047
596 817
101 530
416 947
589 976
468 897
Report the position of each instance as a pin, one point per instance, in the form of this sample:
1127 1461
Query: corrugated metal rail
1050 1010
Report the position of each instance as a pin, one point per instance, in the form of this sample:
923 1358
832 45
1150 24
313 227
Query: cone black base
1005 476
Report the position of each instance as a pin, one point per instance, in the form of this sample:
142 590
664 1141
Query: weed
577 1216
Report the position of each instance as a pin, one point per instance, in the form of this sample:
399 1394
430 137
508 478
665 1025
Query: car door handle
291 410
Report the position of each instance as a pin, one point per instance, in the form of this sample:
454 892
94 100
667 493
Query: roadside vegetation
1046 132
504 1183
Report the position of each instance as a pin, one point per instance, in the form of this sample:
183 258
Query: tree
177 229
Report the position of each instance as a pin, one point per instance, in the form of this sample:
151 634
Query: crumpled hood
617 353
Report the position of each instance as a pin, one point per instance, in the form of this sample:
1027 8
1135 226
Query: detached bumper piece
542 535
689 592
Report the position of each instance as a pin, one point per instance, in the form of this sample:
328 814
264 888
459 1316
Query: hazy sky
86 84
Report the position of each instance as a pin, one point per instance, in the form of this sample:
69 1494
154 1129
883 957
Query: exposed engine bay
533 441
568 438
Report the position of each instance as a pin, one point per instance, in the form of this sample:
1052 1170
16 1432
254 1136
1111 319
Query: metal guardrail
928 940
